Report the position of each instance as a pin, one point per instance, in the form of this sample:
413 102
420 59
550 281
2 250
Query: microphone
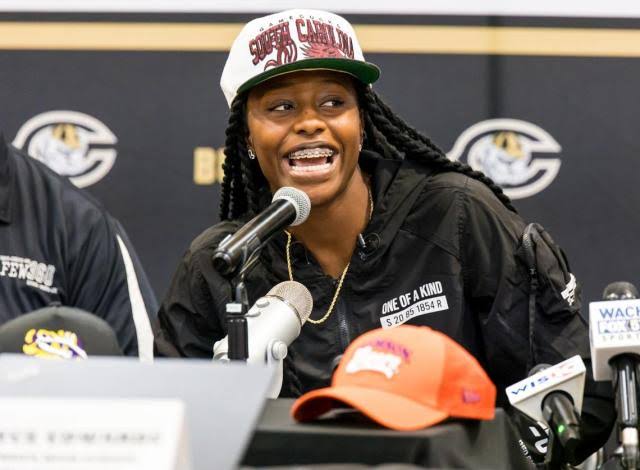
620 290
553 394
273 323
614 331
289 207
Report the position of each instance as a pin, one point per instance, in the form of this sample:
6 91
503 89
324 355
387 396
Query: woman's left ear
250 151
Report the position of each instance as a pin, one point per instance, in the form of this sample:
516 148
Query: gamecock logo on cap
323 51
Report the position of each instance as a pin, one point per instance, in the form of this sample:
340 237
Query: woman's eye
333 102
281 107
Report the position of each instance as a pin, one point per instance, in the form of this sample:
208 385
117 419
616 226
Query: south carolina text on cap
405 378
289 41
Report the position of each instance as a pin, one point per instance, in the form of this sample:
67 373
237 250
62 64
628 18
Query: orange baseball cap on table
405 378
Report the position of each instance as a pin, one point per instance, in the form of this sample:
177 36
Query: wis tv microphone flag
405 378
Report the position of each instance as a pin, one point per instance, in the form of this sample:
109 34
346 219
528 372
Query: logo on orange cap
405 378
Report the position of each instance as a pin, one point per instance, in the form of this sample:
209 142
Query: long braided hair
245 190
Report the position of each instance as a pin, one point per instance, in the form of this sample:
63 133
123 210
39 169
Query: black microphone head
620 290
538 368
223 263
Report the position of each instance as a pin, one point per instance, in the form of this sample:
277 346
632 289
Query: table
349 438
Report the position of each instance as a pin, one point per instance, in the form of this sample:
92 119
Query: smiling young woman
398 233
306 131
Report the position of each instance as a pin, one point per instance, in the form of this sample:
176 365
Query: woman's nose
309 122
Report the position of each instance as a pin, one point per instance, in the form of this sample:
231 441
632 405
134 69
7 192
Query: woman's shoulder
452 194
209 239
454 184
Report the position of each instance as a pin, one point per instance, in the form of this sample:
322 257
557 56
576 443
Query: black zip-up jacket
58 245
441 250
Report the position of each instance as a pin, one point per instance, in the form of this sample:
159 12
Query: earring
252 155
360 148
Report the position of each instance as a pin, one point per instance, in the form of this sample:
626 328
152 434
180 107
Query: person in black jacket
398 233
58 246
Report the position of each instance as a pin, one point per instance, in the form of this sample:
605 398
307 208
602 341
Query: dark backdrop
161 105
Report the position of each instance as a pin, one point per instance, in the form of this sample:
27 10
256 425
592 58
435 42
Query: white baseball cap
289 41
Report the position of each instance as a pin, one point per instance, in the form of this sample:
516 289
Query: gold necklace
344 273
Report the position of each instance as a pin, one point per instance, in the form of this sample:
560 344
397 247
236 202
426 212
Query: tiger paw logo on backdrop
519 156
71 143
51 344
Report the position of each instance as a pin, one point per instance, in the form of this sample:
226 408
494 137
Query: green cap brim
366 72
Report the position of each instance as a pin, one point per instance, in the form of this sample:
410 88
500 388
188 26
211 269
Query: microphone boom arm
625 384
238 335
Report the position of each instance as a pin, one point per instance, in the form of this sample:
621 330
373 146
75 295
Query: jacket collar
6 183
395 186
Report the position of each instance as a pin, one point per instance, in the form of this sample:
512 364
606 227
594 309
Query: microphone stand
238 336
553 458
563 438
627 405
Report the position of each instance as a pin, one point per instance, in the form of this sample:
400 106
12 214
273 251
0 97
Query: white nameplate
92 434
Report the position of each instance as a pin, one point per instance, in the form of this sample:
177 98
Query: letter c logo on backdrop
513 153
71 143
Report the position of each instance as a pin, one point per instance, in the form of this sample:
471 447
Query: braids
229 201
243 187
245 190
400 140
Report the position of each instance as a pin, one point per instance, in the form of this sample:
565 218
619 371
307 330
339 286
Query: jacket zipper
344 330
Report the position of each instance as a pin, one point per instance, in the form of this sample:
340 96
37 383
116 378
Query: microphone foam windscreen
620 290
299 199
296 295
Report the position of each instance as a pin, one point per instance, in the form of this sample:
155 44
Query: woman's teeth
311 153
311 159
